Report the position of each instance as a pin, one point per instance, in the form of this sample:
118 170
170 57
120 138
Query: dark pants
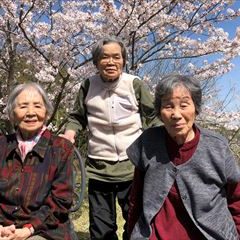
102 208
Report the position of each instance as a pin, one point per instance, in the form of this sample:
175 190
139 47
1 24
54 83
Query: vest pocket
122 108
223 226
229 231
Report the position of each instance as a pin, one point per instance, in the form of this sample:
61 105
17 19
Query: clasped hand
13 233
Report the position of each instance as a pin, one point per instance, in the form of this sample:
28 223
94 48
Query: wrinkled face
30 112
110 64
178 114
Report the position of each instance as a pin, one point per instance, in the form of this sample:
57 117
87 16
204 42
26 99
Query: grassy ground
81 221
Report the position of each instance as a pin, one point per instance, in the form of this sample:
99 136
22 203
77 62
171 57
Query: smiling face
178 114
30 112
110 64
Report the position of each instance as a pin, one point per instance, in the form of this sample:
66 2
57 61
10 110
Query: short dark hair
98 48
169 82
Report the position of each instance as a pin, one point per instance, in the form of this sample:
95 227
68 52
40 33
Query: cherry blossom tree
53 39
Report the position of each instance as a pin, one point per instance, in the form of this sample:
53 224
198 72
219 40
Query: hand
19 234
70 135
7 232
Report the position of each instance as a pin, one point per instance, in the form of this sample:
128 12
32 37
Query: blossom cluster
54 39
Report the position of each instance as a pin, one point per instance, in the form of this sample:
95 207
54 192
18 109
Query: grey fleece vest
201 182
113 117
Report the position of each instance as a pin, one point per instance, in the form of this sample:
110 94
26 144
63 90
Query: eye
105 57
167 106
184 105
38 106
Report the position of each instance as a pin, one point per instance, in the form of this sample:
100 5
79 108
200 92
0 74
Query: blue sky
231 79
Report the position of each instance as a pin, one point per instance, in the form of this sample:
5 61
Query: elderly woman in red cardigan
186 183
36 186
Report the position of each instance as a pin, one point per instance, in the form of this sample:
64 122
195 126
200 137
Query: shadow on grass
83 235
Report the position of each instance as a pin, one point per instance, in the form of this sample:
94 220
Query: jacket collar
109 84
40 148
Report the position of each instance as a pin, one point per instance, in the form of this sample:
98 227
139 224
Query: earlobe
15 124
46 119
159 116
97 65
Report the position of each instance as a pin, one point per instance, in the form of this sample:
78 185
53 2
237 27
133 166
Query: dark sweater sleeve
77 119
135 200
146 104
233 193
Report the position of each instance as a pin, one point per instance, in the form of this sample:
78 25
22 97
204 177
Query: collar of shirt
26 146
40 148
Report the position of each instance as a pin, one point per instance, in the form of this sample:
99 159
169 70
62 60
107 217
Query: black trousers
102 208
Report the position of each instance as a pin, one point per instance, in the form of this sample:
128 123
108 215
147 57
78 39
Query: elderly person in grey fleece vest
186 182
114 106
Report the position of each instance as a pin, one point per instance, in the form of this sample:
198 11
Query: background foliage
50 41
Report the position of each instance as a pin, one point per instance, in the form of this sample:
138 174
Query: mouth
178 126
30 122
110 70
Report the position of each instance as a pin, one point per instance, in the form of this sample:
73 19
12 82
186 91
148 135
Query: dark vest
201 182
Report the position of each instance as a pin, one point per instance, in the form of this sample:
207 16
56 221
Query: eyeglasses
114 59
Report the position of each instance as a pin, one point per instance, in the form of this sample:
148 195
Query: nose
110 60
176 114
30 111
